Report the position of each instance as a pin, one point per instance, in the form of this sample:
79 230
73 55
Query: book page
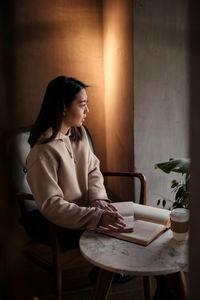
144 232
152 214
125 208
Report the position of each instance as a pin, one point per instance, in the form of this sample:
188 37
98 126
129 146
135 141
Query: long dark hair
60 91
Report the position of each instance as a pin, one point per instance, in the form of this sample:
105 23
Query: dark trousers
37 228
163 291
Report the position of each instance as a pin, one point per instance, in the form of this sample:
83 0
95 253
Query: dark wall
161 89
194 291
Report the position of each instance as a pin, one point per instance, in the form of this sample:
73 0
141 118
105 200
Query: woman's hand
108 206
112 221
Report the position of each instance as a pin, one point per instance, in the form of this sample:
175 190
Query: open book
149 222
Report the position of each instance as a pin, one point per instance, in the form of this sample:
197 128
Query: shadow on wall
12 280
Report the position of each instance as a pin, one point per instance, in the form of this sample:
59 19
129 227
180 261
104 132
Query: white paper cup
180 223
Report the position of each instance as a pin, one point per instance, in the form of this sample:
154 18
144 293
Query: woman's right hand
111 218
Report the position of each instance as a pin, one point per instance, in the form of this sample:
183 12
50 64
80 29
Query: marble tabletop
162 256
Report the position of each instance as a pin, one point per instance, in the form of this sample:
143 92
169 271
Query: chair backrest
17 148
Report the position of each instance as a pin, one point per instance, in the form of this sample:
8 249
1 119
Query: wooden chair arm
132 174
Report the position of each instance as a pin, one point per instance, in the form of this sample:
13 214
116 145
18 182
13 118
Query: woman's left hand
106 204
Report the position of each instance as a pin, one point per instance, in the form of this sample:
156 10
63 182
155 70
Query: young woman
62 171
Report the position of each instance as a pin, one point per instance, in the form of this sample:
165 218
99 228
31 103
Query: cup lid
179 214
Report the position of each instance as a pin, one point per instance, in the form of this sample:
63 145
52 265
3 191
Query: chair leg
148 289
57 267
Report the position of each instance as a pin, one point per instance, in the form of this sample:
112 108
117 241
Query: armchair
17 149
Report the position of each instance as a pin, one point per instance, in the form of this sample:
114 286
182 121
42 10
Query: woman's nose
87 109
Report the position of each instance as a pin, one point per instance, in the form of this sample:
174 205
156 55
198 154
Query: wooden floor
76 285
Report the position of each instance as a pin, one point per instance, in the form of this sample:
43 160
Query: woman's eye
83 105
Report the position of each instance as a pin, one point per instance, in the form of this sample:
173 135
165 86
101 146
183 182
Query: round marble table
162 256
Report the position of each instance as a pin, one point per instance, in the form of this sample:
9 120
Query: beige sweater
64 178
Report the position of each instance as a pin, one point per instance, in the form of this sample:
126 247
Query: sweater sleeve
95 180
43 181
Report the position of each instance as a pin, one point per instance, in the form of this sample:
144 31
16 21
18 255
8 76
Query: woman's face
76 113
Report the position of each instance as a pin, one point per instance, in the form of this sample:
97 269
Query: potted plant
178 187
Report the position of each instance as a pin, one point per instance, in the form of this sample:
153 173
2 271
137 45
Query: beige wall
118 76
161 90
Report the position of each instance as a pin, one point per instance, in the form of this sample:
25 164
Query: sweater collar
60 136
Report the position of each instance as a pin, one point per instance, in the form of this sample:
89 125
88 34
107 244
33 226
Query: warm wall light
111 67
118 78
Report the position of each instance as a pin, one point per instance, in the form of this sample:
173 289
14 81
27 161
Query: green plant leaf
179 187
174 165
179 193
174 183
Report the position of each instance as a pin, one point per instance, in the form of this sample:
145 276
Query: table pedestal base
104 282
148 288
103 285
177 283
